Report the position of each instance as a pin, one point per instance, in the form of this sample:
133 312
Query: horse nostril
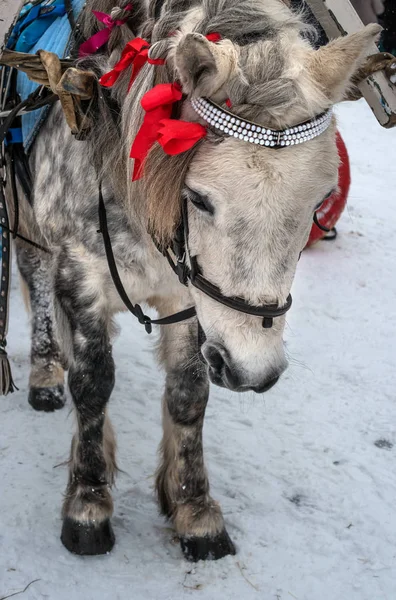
225 373
214 358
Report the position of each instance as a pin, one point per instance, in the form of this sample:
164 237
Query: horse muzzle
224 373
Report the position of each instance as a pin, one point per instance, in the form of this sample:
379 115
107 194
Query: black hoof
47 399
84 539
207 548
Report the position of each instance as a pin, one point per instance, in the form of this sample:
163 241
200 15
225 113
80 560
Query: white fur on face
263 201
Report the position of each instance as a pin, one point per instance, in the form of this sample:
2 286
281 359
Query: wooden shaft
338 17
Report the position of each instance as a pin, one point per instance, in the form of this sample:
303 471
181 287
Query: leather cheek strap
267 311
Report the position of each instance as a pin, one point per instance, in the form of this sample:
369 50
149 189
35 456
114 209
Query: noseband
188 271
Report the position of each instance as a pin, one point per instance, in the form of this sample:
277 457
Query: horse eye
201 202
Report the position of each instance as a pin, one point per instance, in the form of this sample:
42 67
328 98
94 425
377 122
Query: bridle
178 253
188 271
183 264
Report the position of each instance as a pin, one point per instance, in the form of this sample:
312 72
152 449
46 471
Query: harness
34 19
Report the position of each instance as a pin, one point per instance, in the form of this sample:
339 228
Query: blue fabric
36 24
54 37
14 136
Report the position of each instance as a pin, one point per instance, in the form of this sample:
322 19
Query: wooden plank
9 11
338 17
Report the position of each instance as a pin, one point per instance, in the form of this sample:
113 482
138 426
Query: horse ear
333 65
204 67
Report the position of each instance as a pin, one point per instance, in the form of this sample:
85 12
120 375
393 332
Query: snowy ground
306 474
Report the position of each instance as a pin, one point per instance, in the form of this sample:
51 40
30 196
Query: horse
235 209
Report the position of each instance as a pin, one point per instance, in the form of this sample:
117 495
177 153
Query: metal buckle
182 269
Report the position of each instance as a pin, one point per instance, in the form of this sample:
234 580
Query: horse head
249 202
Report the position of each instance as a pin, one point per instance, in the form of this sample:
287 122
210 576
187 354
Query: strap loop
322 227
142 318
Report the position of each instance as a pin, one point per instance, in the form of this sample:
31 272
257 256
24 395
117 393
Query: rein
135 309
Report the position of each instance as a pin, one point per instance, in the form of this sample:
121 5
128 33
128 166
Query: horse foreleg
88 504
182 482
46 376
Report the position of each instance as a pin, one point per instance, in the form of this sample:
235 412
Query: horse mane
88 25
265 90
259 27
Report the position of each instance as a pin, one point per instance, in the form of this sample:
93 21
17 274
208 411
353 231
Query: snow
308 496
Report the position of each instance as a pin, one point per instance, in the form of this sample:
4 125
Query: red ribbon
214 37
135 53
102 37
173 135
157 104
176 136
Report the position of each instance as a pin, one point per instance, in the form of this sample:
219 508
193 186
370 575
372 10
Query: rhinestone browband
256 134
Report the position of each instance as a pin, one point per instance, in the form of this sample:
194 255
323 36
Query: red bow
102 37
174 136
135 53
158 105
